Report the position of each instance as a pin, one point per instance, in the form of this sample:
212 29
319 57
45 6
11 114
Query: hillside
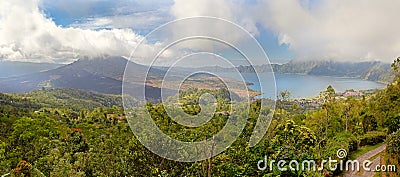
61 139
372 71
105 75
101 75
66 98
12 68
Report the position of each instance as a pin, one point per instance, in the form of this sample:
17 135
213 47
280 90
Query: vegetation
66 132
393 150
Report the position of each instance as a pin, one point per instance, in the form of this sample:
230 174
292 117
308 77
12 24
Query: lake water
302 86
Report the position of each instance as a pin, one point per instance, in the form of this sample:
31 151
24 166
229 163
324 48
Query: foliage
66 132
73 99
372 138
393 145
293 142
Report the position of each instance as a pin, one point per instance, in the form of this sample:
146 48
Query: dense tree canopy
65 132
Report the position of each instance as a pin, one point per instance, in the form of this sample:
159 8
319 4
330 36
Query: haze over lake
305 86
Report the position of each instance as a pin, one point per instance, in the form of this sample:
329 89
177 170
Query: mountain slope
71 76
102 75
373 71
13 68
105 75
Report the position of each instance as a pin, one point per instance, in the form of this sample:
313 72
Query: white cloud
27 35
355 30
139 21
235 11
225 9
335 29
340 30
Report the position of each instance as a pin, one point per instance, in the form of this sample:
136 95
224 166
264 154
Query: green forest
67 132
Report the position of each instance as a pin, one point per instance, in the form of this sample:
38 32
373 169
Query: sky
62 31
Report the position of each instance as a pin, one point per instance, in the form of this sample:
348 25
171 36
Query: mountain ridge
102 75
372 70
16 68
105 75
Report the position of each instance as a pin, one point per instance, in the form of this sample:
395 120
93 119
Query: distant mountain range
372 71
12 68
96 75
105 75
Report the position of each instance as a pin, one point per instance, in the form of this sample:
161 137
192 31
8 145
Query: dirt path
361 159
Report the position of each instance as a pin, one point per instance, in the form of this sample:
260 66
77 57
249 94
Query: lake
305 86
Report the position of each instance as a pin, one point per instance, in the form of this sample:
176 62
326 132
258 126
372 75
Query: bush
353 143
393 145
346 141
372 138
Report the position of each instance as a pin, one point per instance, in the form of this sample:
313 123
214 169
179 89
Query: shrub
372 138
393 145
345 141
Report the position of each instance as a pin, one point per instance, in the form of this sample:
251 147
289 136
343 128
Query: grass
362 150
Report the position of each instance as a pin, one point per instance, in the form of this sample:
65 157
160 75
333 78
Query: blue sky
62 31
66 14
70 12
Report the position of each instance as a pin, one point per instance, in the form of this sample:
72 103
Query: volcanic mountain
101 75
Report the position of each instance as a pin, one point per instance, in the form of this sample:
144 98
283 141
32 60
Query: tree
25 169
32 138
293 142
395 66
328 97
369 122
3 162
393 123
284 95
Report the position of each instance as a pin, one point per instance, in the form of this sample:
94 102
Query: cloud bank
355 30
228 10
26 34
315 30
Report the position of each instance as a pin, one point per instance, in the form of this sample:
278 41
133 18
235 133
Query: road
362 158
